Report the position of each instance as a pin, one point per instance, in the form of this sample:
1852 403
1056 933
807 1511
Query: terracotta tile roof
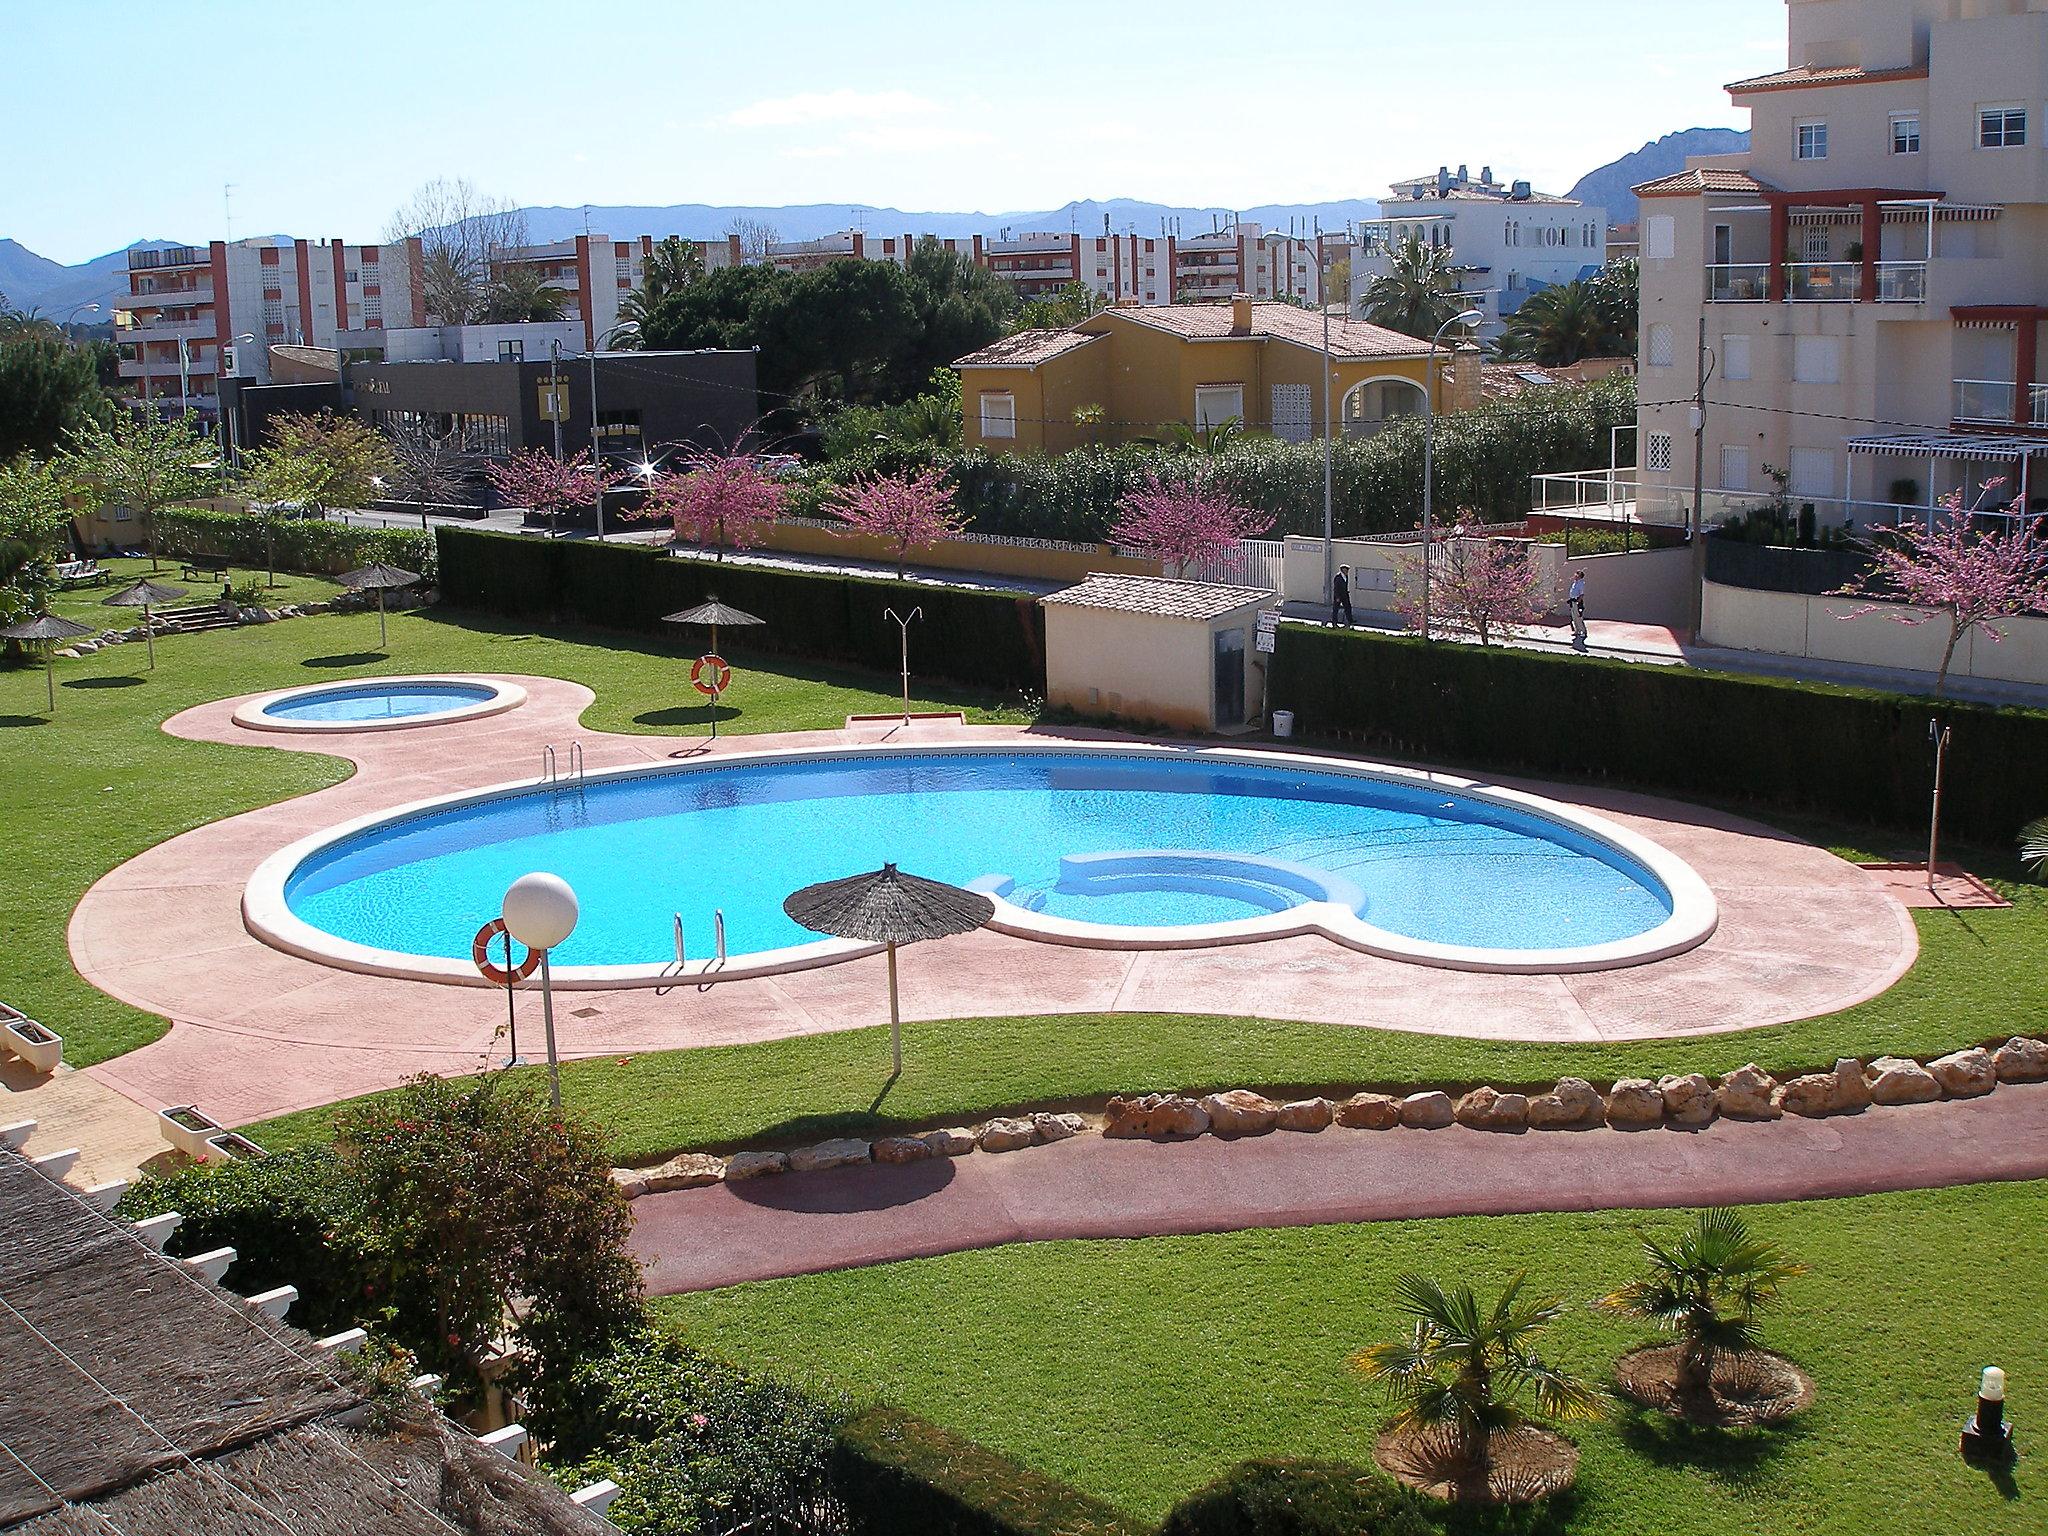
1026 349
1279 322
1832 74
1705 178
1199 600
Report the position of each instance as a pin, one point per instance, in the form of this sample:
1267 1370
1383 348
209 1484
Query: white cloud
830 107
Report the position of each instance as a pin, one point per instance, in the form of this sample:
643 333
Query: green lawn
1139 1370
99 782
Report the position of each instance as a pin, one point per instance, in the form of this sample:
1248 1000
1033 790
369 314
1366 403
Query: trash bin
1283 722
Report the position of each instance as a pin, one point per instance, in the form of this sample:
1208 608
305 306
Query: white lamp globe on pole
1461 319
540 911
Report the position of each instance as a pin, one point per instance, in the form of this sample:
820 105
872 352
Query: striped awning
1951 445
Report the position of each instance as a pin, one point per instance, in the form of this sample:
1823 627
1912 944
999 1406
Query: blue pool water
1421 862
368 701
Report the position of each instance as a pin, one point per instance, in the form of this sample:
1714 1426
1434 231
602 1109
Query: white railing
1987 401
1902 282
1823 281
1256 563
2037 413
1738 282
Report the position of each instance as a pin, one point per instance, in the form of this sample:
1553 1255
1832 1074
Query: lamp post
1463 317
626 328
231 444
540 912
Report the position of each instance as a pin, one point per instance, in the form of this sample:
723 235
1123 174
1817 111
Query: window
1661 353
1817 246
511 351
354 275
1812 472
1657 452
998 415
1735 358
1905 133
1660 237
1817 359
2001 127
1218 403
618 429
1813 140
1734 468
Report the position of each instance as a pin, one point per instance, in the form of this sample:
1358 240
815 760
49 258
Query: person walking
1575 603
1340 596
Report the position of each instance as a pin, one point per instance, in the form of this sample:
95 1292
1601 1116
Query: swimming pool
1121 846
379 703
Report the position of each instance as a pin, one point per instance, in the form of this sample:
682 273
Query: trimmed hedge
986 639
312 546
1858 755
1298 1498
902 1476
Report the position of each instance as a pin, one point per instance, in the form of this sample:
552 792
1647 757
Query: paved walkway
257 1032
803 1223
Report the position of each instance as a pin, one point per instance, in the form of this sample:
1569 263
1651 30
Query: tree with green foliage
1465 1370
47 388
32 520
1706 1290
673 265
956 307
496 1216
139 460
1569 322
1617 292
1417 293
1068 305
519 294
319 462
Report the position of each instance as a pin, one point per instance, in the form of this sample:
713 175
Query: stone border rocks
1680 1101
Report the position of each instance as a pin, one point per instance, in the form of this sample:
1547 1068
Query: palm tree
1464 1369
1558 326
1213 440
1707 1289
673 265
520 293
1417 293
2034 845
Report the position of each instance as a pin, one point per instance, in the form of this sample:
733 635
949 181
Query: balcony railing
1993 402
1841 282
1738 282
1902 282
173 256
166 298
1823 281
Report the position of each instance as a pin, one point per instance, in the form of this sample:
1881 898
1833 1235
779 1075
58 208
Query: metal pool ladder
550 769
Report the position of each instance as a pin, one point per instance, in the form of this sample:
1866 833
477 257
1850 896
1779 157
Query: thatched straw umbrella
144 594
889 907
46 629
713 613
379 578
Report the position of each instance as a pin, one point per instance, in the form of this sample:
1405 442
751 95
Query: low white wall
1643 586
1840 629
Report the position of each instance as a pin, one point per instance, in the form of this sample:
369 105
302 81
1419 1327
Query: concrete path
804 1223
114 1134
256 1031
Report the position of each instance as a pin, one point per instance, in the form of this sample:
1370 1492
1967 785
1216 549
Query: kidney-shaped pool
1116 846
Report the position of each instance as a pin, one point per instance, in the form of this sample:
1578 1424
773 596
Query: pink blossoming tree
906 512
1952 571
720 500
1184 525
531 478
1477 585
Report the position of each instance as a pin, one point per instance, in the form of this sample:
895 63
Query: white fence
1257 563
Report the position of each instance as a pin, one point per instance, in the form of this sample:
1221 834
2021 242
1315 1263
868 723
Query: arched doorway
1370 406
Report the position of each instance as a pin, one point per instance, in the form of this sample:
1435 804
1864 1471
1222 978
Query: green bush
901 1476
988 639
292 1219
1845 752
312 546
1298 1498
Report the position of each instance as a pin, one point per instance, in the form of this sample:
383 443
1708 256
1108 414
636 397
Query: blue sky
126 118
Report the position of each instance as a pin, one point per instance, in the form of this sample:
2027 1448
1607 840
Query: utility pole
597 444
1329 427
1696 597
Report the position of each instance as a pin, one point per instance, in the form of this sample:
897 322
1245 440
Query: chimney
1464 172
1486 175
1240 314
1461 388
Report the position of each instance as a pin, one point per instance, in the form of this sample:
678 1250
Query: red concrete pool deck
257 1031
806 1223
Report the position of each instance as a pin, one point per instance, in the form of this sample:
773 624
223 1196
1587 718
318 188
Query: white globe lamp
540 912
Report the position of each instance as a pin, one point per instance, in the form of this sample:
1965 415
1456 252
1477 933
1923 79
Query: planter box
232 1147
41 1048
188 1129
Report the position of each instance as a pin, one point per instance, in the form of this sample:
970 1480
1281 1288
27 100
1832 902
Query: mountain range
31 281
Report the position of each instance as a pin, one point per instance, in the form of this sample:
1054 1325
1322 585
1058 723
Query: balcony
1823 282
1816 282
174 256
167 298
1995 403
1738 282
1902 282
168 330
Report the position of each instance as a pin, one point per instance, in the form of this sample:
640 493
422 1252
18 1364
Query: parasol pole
50 671
149 636
383 638
895 1017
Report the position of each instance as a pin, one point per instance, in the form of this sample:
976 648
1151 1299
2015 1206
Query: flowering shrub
907 512
1184 525
721 501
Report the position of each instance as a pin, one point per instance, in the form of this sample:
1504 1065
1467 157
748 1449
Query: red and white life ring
480 953
718 680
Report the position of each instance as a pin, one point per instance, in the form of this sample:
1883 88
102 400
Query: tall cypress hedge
1845 752
987 639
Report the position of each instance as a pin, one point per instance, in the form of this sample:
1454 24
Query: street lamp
81 309
1462 318
625 328
540 912
232 445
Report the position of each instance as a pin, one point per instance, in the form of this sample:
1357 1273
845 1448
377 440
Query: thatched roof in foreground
133 1389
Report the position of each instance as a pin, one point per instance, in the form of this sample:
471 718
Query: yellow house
1133 371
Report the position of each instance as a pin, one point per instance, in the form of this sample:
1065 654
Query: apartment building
1506 240
1870 278
193 315
595 273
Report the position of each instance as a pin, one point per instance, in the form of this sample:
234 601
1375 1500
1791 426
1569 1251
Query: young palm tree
2034 845
522 294
1417 293
1557 326
1707 1289
671 266
1464 1369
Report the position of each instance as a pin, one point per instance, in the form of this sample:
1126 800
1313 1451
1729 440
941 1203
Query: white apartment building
192 314
1506 240
1872 275
596 272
